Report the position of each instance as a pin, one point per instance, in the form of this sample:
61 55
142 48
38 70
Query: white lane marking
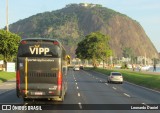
77 87
114 88
76 83
75 80
79 94
145 104
80 105
25 104
106 84
126 95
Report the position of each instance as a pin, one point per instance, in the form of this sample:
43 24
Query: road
88 87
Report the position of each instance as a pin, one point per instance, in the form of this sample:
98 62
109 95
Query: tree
95 46
8 45
128 53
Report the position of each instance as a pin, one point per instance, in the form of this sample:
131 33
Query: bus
41 69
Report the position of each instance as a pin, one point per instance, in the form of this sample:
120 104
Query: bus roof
49 39
43 39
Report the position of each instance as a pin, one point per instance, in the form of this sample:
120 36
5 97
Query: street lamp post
7 15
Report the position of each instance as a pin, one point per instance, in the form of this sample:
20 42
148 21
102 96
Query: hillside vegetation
71 23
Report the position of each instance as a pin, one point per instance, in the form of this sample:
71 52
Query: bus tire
60 99
25 100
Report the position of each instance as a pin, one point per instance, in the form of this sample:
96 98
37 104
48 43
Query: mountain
71 23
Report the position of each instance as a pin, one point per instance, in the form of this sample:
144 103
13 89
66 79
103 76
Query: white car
76 68
115 77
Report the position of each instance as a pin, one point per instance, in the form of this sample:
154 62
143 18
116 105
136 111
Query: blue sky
146 12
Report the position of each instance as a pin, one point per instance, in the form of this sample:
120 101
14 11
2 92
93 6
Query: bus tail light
23 42
55 43
59 80
18 78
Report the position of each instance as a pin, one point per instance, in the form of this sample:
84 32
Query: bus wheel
61 99
26 100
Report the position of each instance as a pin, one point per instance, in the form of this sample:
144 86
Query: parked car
81 67
76 68
115 77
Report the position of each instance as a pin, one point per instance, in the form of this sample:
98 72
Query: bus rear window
33 49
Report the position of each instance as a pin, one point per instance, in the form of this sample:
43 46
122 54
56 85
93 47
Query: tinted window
43 49
116 74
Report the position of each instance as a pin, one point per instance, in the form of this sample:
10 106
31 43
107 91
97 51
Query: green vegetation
95 46
4 76
69 24
1 57
72 23
8 45
127 52
139 78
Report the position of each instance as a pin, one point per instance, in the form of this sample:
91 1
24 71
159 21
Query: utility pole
145 59
7 15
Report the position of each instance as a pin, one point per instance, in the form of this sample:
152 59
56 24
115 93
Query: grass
147 80
5 76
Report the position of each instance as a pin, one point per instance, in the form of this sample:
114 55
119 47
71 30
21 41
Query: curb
143 87
9 88
6 91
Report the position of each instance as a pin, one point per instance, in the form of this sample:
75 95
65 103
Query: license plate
37 93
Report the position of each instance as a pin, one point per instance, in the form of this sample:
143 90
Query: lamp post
7 15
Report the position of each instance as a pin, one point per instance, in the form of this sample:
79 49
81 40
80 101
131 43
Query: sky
146 12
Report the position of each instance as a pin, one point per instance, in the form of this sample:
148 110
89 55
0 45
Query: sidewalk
153 73
144 72
6 86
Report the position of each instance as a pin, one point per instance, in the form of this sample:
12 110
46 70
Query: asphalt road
90 88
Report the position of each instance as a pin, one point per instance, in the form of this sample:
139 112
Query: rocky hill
72 23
